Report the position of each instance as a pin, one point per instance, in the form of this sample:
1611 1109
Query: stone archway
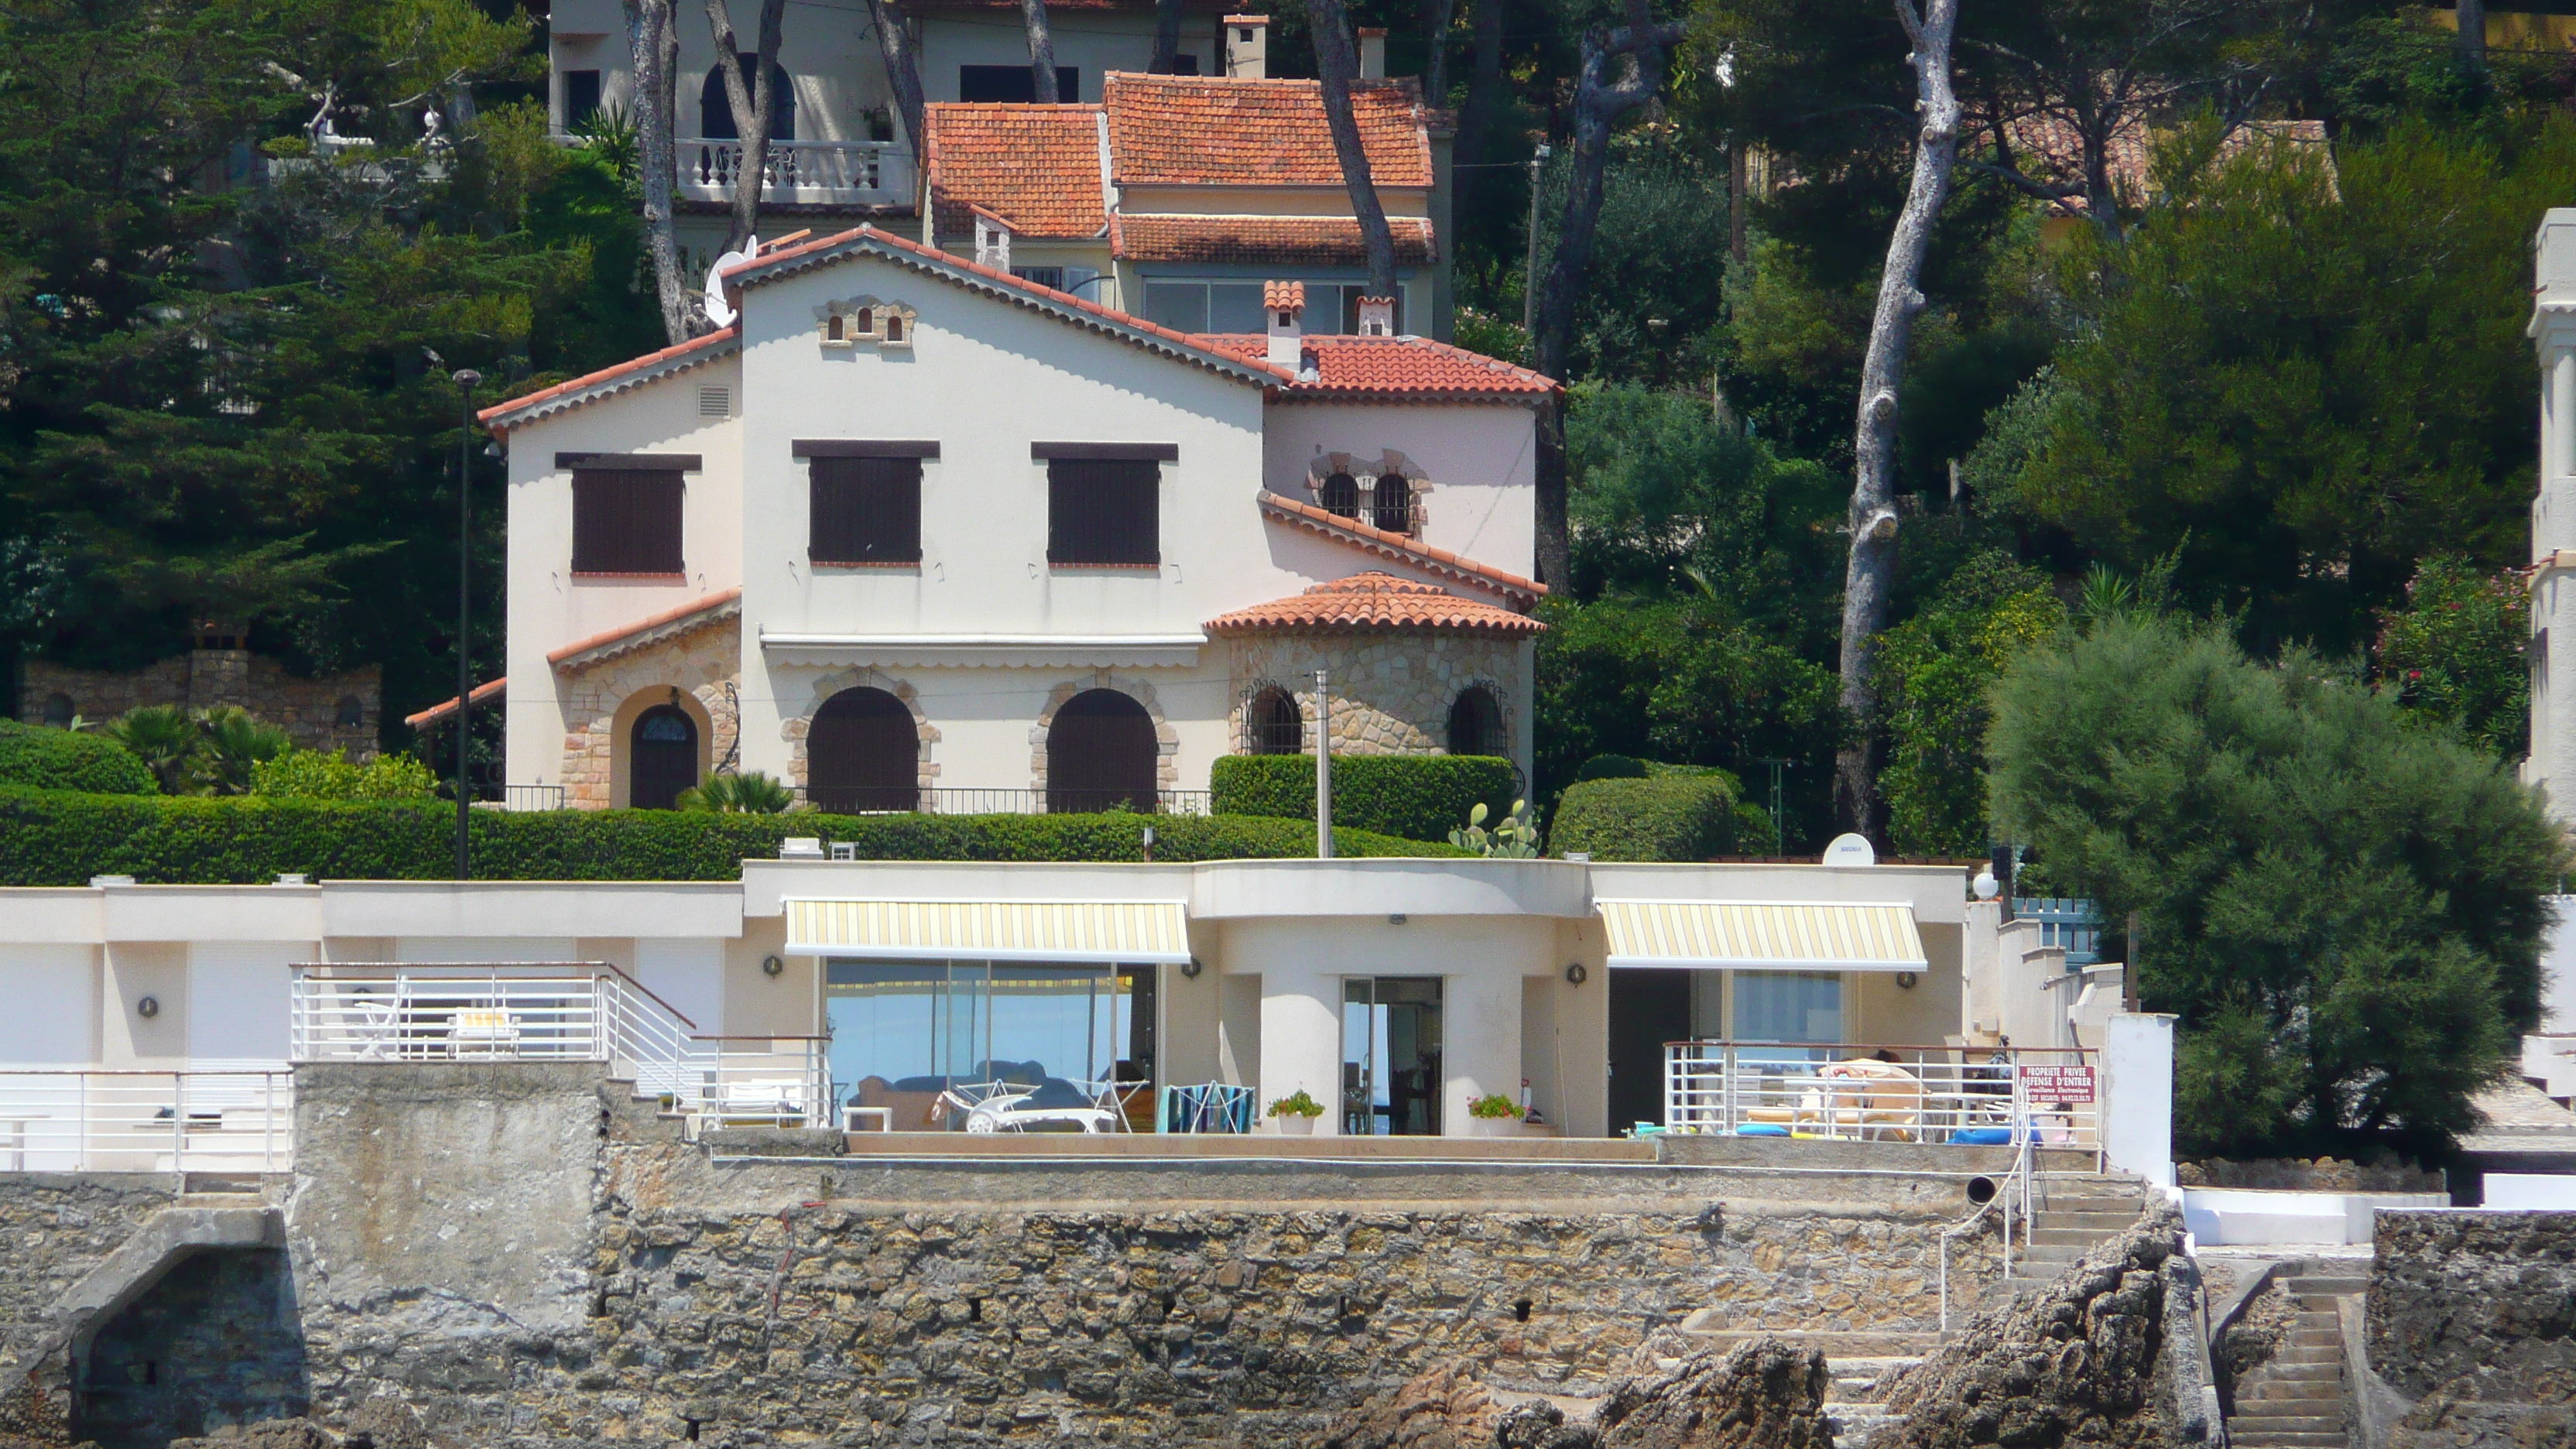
798 729
1167 741
862 753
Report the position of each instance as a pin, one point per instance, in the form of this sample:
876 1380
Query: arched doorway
1475 723
1276 726
715 107
862 753
662 759
1100 749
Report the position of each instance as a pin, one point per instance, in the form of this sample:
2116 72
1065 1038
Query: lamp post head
467 378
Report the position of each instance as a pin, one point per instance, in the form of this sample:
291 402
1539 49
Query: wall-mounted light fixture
1192 967
1575 975
148 1007
1395 918
1905 980
772 966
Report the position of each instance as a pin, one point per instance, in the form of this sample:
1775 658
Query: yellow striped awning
1126 932
1763 935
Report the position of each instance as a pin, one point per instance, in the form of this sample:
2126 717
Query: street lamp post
465 379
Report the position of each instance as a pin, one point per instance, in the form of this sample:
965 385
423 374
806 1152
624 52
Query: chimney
992 241
1247 47
1283 305
1377 316
1372 52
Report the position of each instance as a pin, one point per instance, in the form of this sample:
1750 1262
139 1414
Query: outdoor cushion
1762 1129
1982 1136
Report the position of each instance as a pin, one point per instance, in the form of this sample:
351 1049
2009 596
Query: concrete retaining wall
2473 1315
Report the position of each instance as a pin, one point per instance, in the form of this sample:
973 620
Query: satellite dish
1850 850
718 310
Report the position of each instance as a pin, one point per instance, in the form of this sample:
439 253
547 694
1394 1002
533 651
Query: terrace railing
1994 1096
105 1120
816 173
557 1011
928 800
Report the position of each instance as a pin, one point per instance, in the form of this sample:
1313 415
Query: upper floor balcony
801 173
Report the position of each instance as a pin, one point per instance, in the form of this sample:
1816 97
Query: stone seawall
2473 1315
55 1228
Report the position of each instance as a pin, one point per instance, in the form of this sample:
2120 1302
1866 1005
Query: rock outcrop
2076 1364
1446 1408
1763 1395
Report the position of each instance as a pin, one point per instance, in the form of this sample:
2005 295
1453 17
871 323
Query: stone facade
703 664
1167 741
56 1228
329 712
2473 1317
1391 691
796 726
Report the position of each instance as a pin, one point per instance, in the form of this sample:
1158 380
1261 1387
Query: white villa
913 533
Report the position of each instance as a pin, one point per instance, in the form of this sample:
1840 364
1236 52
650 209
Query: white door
48 1005
689 976
238 1001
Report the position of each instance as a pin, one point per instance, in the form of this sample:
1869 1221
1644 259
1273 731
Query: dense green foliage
53 838
1661 817
51 759
317 775
2345 911
1416 797
2456 653
755 793
1937 668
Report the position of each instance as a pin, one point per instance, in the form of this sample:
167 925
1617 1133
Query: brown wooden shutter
866 510
626 521
1104 511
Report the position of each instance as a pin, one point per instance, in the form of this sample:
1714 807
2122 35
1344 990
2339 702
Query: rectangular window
626 521
1104 511
580 99
1014 85
1043 276
866 511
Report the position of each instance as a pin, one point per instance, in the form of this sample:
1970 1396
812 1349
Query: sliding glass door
1391 1078
903 1032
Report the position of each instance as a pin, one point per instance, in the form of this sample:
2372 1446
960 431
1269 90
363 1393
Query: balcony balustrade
806 173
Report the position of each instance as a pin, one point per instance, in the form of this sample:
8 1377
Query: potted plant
1295 1114
1491 1111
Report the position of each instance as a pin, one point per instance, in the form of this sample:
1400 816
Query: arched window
863 322
1341 496
862 753
1394 503
1475 723
349 714
833 328
715 108
1275 726
662 759
894 327
58 710
1101 749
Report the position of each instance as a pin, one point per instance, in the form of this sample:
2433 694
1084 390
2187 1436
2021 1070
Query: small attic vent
715 402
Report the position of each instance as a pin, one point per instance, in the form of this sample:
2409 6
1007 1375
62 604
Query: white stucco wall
1481 460
1096 43
830 56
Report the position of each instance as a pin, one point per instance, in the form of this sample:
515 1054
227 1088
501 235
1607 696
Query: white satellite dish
1850 850
718 310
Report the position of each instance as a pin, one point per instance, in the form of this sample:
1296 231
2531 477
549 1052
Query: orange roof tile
1035 167
2047 149
1385 544
1217 131
1283 296
1394 369
600 646
686 354
1374 601
1324 241
447 706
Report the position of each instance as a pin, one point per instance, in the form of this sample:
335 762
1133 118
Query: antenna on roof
718 309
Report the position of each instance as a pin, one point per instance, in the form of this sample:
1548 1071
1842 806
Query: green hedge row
61 838
1417 797
51 759
1659 817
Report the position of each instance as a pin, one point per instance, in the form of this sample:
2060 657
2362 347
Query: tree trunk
1870 571
1167 40
653 43
1041 50
2472 15
751 103
903 72
1639 47
1337 61
1435 69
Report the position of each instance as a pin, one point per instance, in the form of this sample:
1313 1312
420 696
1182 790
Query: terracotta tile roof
1324 241
631 373
2048 149
1515 590
1374 601
1074 309
1035 167
1394 369
445 707
1212 130
1283 296
649 629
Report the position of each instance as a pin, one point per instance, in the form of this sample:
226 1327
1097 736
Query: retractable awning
1125 932
1763 935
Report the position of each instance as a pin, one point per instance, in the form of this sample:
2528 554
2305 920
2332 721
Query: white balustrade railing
1998 1096
556 1011
820 173
104 1120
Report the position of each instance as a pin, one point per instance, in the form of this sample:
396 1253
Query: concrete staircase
2295 1401
2076 1212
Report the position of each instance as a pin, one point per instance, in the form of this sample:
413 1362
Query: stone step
2104 1223
1840 1346
2245 1429
2107 1209
2046 1232
2338 1286
2308 1353
2333 1440
2291 1390
2060 1253
2316 1338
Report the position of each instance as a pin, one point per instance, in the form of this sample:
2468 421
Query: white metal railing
809 172
95 1120
2018 1180
1997 1096
556 1011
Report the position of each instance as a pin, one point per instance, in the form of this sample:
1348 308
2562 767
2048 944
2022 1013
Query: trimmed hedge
52 759
1417 797
1660 817
60 838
